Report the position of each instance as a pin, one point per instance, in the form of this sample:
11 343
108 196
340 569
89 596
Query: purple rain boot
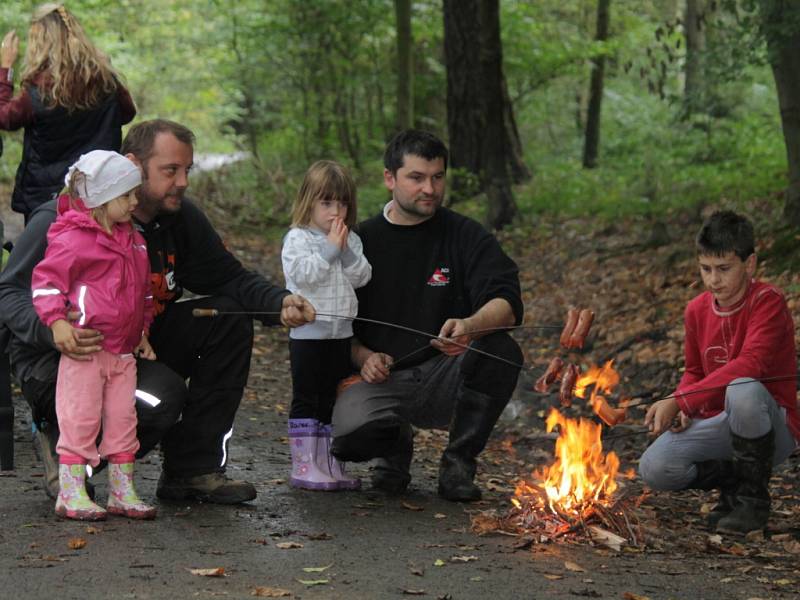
305 446
331 464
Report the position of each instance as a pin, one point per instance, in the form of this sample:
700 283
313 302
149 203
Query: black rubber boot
716 475
45 438
752 463
391 474
474 417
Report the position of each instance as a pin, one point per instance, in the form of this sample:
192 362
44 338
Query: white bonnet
106 175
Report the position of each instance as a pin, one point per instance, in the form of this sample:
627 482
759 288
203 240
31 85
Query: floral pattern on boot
73 502
122 497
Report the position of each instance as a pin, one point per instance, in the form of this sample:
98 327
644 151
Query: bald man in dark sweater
440 272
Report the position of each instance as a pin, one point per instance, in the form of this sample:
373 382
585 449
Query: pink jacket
104 277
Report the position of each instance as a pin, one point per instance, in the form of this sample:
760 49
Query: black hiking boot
391 474
474 417
210 487
716 474
752 462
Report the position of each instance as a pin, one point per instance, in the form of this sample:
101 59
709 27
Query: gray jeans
750 412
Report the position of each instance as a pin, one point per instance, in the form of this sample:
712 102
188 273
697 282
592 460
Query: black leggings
317 368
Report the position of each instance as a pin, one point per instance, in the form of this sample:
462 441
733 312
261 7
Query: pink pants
95 394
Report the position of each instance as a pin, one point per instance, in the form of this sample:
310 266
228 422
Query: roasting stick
213 312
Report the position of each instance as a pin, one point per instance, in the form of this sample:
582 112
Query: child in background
324 262
730 428
96 264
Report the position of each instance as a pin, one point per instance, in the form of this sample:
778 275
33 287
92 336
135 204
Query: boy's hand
660 415
144 349
338 234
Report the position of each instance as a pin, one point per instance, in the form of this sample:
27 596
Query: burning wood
573 494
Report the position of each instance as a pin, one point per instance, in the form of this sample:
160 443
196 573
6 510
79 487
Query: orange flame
581 472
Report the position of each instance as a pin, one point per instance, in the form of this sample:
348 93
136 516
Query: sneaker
211 487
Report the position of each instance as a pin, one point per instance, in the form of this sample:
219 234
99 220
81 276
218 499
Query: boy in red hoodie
734 414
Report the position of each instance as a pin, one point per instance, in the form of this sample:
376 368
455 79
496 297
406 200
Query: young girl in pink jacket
96 265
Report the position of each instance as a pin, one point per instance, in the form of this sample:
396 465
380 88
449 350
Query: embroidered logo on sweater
439 277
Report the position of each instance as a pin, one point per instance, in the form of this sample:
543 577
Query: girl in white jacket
323 261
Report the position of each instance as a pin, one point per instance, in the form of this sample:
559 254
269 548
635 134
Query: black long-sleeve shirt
446 267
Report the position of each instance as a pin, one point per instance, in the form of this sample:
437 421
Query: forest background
690 114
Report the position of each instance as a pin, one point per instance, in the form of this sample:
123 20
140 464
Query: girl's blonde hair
78 76
325 180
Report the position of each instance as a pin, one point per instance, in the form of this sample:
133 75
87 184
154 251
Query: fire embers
576 328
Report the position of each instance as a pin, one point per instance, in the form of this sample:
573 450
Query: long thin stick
645 401
213 312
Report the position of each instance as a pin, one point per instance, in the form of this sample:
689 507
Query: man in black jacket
435 271
194 423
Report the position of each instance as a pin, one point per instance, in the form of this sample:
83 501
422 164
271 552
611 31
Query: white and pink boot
122 497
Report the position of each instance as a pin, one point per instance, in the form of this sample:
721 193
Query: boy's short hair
726 231
415 142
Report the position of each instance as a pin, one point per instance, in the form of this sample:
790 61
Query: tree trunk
405 65
465 109
502 206
519 171
782 26
592 139
694 73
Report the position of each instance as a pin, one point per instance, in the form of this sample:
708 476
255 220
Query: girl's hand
144 349
64 337
338 234
9 50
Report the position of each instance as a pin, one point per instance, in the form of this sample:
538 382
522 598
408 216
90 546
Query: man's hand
453 330
296 311
144 349
76 343
9 50
338 233
376 368
660 416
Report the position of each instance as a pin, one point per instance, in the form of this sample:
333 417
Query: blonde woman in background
71 102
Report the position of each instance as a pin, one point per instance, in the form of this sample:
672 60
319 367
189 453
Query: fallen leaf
311 582
419 572
76 543
440 516
319 537
632 596
438 563
756 535
553 576
414 592
409 506
92 530
571 566
783 582
317 569
478 578
792 546
463 559
215 572
270 592
726 580
288 545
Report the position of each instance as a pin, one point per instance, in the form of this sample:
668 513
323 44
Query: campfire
576 493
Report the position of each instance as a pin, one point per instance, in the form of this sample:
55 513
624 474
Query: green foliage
291 81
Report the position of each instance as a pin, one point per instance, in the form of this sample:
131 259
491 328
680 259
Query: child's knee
661 473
